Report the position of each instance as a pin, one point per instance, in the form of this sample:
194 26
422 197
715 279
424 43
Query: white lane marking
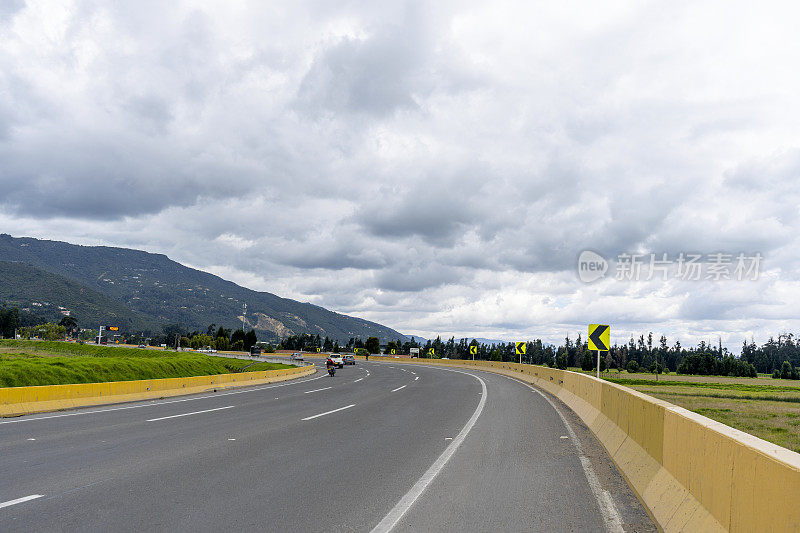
190 414
163 402
359 379
448 438
416 378
608 509
231 439
317 390
563 437
398 388
405 503
328 412
20 500
31 439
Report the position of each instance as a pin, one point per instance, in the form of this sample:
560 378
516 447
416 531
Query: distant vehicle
349 360
445 358
255 351
337 360
141 346
297 356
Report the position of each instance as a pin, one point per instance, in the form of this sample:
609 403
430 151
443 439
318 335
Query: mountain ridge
165 290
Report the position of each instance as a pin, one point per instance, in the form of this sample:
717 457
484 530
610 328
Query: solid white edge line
328 412
405 503
398 388
155 403
317 390
608 509
416 378
20 500
189 414
359 379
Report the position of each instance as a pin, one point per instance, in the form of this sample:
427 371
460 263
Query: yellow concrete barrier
691 473
16 401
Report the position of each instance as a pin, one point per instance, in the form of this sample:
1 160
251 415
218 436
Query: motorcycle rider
330 366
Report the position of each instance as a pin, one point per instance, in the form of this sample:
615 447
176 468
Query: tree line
779 356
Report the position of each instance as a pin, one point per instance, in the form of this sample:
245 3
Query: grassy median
24 363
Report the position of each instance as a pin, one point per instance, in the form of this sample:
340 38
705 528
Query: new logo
591 266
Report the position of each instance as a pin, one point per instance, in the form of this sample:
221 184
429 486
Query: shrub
633 366
587 361
786 370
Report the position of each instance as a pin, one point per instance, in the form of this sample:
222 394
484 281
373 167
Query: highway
381 446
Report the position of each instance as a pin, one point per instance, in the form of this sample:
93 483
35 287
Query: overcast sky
434 166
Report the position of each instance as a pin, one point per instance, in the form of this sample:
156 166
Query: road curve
380 446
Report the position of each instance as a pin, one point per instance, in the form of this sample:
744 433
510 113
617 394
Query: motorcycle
331 370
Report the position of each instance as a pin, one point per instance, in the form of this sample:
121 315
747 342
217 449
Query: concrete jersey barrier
16 401
691 472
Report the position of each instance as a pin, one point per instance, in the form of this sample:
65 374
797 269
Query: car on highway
141 346
297 356
349 360
337 360
255 351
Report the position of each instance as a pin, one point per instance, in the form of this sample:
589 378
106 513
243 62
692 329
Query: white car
297 356
337 360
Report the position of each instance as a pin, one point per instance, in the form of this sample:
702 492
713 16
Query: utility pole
244 314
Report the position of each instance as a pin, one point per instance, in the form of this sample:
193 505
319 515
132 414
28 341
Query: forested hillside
169 292
51 296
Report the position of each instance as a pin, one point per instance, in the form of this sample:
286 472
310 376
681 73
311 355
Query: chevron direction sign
599 337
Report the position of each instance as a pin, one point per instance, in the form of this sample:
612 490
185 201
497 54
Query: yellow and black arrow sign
392 351
318 350
430 351
521 348
473 350
599 337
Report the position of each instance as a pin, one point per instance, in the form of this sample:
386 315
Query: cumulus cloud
437 167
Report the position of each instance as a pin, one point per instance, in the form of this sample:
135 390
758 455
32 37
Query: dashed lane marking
328 412
190 414
24 499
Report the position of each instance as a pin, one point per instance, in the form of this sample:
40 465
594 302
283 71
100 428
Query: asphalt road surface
379 447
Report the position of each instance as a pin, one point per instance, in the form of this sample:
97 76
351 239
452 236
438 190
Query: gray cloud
425 165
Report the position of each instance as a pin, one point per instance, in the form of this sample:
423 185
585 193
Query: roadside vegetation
765 407
24 363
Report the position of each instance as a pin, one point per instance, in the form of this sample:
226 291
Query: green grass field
765 407
24 363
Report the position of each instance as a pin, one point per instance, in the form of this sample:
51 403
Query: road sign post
521 348
473 350
600 340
